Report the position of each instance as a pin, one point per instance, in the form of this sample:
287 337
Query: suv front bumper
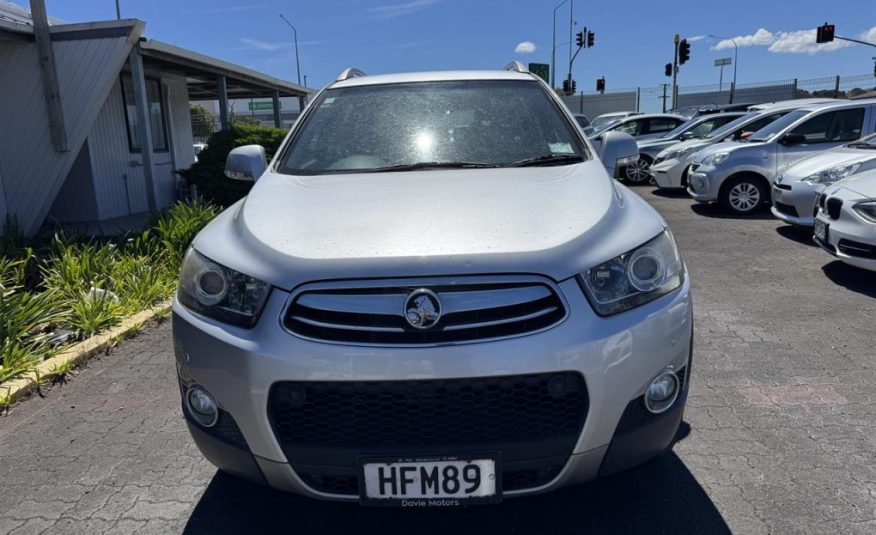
617 356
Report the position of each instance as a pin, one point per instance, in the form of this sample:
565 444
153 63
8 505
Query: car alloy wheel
744 197
639 172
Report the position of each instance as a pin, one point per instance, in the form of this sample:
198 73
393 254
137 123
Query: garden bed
57 293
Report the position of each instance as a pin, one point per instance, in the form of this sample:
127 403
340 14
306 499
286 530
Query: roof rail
516 66
350 73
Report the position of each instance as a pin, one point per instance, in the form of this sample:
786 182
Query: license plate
430 481
821 230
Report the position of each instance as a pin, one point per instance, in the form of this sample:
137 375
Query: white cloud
263 45
525 47
793 42
695 38
391 11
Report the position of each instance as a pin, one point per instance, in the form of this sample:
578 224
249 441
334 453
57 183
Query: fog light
202 406
662 391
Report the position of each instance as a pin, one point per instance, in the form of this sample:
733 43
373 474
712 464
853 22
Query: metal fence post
795 89
732 91
581 102
638 97
836 88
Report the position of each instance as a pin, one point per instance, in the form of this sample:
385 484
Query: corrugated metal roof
20 15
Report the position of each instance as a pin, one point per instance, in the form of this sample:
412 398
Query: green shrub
92 312
142 281
177 227
208 173
75 267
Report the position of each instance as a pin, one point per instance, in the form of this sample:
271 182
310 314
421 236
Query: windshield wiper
547 159
860 145
430 165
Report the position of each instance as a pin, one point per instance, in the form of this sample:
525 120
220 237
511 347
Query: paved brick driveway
780 434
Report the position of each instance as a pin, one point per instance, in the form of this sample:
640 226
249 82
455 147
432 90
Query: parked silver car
433 295
600 122
670 167
739 175
696 128
643 125
846 222
796 191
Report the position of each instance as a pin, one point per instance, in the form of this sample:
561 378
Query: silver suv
739 174
434 295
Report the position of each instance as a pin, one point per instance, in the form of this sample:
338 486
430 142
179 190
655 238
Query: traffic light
683 51
574 87
824 34
600 84
566 87
591 38
667 69
579 39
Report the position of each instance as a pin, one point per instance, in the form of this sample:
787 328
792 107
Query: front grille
856 248
533 421
785 187
693 167
834 206
657 160
469 312
786 209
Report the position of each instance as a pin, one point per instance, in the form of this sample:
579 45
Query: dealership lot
778 435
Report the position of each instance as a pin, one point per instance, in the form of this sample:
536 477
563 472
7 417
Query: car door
822 132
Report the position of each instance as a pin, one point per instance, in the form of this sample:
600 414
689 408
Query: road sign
261 106
721 62
542 70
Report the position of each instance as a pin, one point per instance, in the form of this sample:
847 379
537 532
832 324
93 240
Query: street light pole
735 62
554 47
295 34
571 15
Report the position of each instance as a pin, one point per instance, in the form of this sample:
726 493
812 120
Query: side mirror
793 139
687 135
246 163
746 134
617 150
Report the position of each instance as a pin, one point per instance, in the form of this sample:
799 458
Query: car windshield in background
482 123
771 130
680 129
728 128
602 122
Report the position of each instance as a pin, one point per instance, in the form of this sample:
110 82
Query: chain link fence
658 99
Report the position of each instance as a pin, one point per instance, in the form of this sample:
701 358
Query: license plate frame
443 500
821 230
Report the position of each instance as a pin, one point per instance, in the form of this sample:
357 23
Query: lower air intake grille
834 206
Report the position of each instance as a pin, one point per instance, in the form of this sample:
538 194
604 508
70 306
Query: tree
202 121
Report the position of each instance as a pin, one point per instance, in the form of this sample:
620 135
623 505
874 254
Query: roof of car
436 76
838 104
653 115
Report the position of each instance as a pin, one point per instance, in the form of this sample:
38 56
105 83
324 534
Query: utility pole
675 72
571 14
554 47
297 62
118 11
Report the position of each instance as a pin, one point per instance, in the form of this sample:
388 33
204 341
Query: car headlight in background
220 292
636 277
716 159
832 175
668 155
867 210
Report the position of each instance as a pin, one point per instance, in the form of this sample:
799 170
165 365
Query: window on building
156 114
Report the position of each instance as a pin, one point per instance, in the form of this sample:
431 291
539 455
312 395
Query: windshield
483 123
771 130
728 128
682 128
605 120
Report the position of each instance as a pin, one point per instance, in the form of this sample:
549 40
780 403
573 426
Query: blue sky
633 38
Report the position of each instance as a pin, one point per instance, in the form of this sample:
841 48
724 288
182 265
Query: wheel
639 172
744 195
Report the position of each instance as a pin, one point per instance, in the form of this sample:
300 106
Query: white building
94 118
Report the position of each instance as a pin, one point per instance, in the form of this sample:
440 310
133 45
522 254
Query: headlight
219 292
669 155
779 179
867 210
716 159
832 175
636 277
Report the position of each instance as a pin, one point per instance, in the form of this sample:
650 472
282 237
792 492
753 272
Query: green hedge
208 173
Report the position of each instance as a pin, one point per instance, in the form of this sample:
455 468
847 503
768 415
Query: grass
70 287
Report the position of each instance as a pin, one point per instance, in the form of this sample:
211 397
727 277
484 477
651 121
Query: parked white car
795 192
601 121
644 125
846 222
739 175
670 167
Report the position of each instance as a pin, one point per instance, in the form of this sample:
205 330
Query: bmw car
435 294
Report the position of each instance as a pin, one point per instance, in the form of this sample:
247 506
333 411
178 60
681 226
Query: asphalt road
778 434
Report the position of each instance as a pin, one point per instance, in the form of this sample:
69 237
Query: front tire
639 172
744 195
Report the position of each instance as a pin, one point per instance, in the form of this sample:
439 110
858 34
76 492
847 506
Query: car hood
688 145
863 184
655 144
732 147
828 160
556 221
